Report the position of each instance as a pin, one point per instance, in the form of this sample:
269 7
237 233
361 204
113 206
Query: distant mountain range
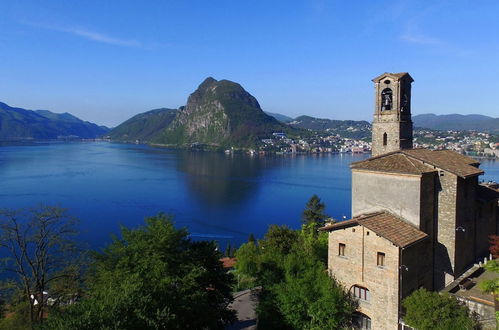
19 124
355 129
278 116
219 113
430 121
457 122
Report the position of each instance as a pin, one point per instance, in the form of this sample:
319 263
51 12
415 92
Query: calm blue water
215 195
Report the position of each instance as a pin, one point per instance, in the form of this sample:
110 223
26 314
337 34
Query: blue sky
106 61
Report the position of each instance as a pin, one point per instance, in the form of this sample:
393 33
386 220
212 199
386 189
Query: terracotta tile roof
418 161
448 160
386 225
393 163
228 262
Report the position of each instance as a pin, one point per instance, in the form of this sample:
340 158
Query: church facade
419 218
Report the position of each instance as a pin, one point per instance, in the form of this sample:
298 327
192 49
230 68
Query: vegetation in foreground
155 277
152 277
290 266
433 311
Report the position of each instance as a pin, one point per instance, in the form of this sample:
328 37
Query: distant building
420 217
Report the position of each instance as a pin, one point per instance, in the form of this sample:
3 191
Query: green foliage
431 311
297 292
251 238
144 126
314 212
154 277
19 318
492 286
305 292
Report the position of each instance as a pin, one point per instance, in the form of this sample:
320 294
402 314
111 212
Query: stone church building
419 217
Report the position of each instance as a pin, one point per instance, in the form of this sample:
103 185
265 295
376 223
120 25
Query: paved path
245 304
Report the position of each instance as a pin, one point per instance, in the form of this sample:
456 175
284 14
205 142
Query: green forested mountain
18 123
144 126
221 113
346 128
218 113
280 117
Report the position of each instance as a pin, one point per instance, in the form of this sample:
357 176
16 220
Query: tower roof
396 76
384 224
419 161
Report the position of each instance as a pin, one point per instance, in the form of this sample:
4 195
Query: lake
216 196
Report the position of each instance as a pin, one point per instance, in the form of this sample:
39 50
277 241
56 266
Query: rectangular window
381 259
341 249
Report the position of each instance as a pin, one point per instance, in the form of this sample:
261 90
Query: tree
41 254
154 277
314 212
492 286
431 311
309 299
251 238
494 245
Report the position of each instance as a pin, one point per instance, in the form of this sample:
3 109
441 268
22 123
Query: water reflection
219 179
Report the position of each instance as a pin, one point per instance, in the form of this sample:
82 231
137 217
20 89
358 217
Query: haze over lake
216 196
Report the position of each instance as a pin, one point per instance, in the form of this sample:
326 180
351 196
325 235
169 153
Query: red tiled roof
418 161
386 225
228 262
393 163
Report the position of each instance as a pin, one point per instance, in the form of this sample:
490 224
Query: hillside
457 122
221 113
144 126
19 123
345 128
279 117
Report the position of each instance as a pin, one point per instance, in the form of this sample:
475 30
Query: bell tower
392 124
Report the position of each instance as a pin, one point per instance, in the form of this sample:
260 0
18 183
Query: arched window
386 99
361 321
385 139
361 293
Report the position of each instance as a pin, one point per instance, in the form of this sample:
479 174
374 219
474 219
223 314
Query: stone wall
466 253
399 194
446 229
395 123
359 267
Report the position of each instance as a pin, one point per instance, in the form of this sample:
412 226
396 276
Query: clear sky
105 61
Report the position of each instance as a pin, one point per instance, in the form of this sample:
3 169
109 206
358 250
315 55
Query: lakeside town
471 143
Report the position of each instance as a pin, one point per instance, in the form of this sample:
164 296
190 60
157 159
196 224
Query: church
420 218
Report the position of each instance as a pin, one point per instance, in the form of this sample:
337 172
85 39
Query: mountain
144 126
220 113
279 117
345 128
457 122
18 123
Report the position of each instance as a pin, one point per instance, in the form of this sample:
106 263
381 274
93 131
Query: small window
353 230
385 139
361 293
367 233
381 259
341 249
361 321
